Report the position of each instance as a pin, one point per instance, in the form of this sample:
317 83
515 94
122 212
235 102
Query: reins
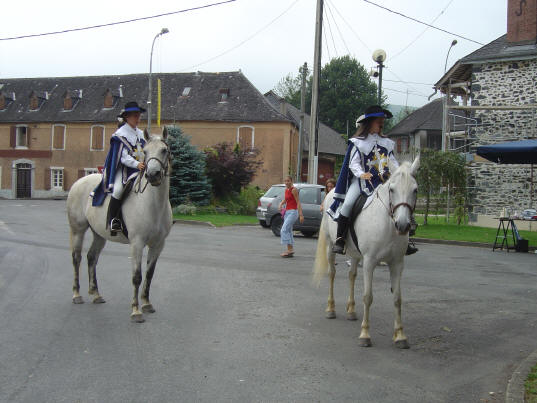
391 209
163 170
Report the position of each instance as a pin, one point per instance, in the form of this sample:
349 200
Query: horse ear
165 133
415 166
146 135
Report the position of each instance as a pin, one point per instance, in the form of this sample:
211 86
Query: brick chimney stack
521 22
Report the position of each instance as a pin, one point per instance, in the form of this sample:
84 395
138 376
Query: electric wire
337 27
407 82
330 29
352 30
242 42
405 92
326 44
422 32
421 22
117 22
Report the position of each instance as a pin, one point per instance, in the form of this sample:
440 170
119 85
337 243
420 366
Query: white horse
382 232
146 212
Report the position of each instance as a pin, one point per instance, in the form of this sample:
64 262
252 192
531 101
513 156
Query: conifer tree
188 181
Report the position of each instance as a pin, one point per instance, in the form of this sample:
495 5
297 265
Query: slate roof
330 141
428 117
244 104
496 51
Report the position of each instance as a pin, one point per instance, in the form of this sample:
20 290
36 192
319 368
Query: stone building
55 130
498 78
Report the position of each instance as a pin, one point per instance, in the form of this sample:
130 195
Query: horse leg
368 267
331 308
136 257
93 256
351 311
399 337
152 256
77 239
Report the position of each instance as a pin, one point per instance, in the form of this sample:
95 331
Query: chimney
521 22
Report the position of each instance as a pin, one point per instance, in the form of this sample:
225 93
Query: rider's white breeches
118 185
350 198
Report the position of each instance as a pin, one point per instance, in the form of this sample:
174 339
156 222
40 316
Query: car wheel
263 223
276 225
308 234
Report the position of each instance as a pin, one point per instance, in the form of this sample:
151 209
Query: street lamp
162 32
452 44
379 56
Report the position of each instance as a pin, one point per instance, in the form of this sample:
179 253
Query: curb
531 249
515 387
193 222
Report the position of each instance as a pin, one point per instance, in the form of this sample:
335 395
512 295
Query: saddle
356 210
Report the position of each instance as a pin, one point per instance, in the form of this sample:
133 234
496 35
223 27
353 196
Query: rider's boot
113 213
410 249
342 227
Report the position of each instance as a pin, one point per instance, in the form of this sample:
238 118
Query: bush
244 203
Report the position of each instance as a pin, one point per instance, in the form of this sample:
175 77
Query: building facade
56 130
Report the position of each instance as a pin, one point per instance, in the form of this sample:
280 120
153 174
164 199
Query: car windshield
275 191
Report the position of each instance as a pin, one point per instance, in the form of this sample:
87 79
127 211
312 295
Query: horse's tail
320 267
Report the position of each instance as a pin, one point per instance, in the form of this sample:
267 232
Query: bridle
163 170
391 208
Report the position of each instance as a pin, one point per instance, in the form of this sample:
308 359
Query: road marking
4 227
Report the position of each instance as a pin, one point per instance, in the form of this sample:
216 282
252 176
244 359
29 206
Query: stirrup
339 246
115 225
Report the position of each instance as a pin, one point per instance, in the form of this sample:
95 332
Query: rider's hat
372 112
131 107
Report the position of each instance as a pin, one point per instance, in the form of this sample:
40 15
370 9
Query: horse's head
403 192
157 157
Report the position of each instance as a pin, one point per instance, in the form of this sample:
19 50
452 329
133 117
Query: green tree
230 168
345 90
188 182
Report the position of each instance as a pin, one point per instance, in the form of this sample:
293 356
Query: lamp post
452 44
149 95
379 56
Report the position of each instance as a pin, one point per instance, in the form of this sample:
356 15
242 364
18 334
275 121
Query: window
224 94
245 137
58 137
309 196
68 103
186 92
404 144
2 102
21 137
89 171
275 191
34 102
56 178
108 99
97 138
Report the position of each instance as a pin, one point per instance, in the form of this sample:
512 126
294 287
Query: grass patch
531 386
437 228
219 220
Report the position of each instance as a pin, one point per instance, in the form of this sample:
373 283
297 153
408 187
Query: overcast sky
266 39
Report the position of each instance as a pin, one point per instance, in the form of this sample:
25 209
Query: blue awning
512 152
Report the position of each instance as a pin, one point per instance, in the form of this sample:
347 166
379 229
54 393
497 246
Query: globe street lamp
149 96
379 56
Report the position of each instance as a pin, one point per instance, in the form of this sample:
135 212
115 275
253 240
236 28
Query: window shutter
64 183
28 136
81 173
12 136
47 179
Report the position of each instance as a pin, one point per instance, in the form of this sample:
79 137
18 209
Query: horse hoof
402 344
330 315
137 318
78 300
365 343
148 308
99 300
352 316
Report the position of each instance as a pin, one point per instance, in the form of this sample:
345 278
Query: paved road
235 322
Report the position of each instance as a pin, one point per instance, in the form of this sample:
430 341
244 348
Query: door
309 198
24 181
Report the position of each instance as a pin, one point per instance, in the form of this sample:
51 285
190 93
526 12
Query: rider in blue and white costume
366 166
123 163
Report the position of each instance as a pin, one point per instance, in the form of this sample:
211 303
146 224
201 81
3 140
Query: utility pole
314 118
301 124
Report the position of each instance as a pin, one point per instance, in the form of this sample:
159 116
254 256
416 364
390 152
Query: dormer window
224 94
70 99
37 99
2 102
108 99
34 102
67 103
6 100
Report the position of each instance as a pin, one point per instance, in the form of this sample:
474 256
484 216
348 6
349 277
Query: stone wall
493 186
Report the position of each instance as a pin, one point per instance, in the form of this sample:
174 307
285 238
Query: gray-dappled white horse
382 231
147 215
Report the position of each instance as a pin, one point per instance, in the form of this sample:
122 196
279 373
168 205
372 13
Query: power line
330 29
421 22
407 82
244 41
422 32
405 92
352 30
117 22
326 44
337 27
